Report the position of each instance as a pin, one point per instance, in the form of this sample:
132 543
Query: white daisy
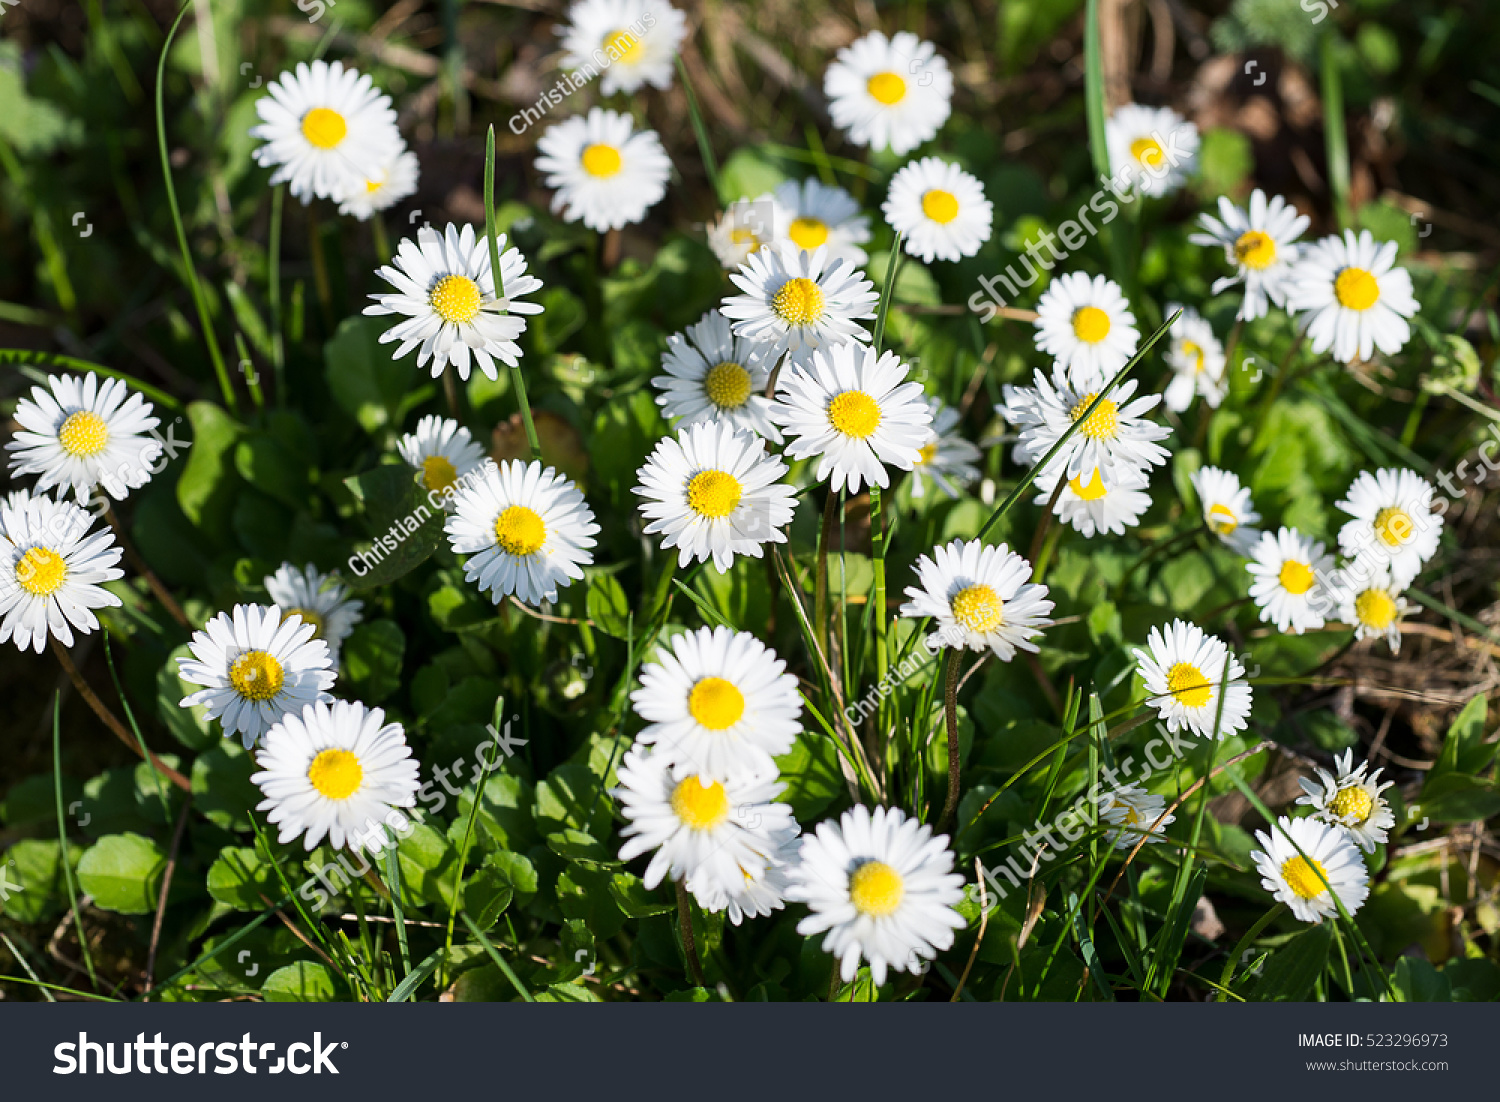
1393 522
713 492
1183 670
446 293
760 893
1357 299
1134 813
855 412
1093 506
718 703
812 214
889 93
631 42
744 227
712 375
1196 358
1157 146
981 598
881 887
940 208
1352 801
605 172
1086 326
1227 509
946 457
327 130
1114 440
396 180
1303 883
527 530
257 667
320 599
1369 602
796 301
1260 244
79 433
443 451
51 568
1289 573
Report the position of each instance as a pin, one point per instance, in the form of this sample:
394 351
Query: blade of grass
1335 137
20 357
705 148
62 838
238 936
407 987
398 911
500 961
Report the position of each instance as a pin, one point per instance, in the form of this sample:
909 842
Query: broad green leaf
123 873
1293 969
302 982
372 658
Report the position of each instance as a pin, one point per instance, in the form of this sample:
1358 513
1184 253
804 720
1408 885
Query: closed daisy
1260 244
442 452
52 570
78 433
1154 148
1393 523
758 893
1355 297
1183 669
946 457
796 301
1289 573
526 529
747 225
605 173
718 703
940 208
1352 801
889 93
257 666
981 598
881 887
811 214
1135 814
1328 865
320 599
396 181
446 293
631 42
1086 326
1197 361
1093 507
712 375
1113 440
1370 603
1227 509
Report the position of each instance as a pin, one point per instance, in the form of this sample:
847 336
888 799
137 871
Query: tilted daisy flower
759 893
1393 522
1352 801
257 666
51 571
526 529
446 293
881 887
336 770
1197 361
1135 814
320 599
1369 602
604 172
745 226
855 412
797 302
1157 145
714 493
1113 440
712 375
1086 326
1183 670
713 832
1260 244
1303 883
443 452
1289 573
889 93
946 457
1093 506
940 208
1227 508
630 42
1356 299
78 433
980 598
327 130
811 213
396 181
718 703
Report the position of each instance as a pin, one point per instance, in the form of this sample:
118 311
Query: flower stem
273 291
950 714
520 384
689 946
877 545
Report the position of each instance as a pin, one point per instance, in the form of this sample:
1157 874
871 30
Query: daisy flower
336 770
1393 522
327 130
446 294
443 451
1134 813
1092 506
981 598
712 375
713 492
1352 801
257 666
1303 883
320 599
527 530
795 301
1356 297
632 42
1183 670
78 434
940 208
51 570
714 832
889 93
1369 602
881 887
1227 508
1086 326
1197 361
718 703
1260 244
743 228
946 457
396 181
1157 146
810 214
1289 573
759 893
605 172
855 412
1114 440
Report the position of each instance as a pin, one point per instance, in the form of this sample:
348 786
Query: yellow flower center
601 160
886 88
1375 609
1188 685
926 452
698 807
1090 324
1255 249
1221 520
519 531
1296 577
854 413
807 233
798 302
941 206
727 385
256 675
1132 816
623 46
1394 526
41 571
716 703
372 186
308 617
1102 423
876 889
1147 151
743 237
1195 350
714 494
1093 491
438 472
978 608
1301 875
1356 289
455 299
336 774
83 433
1352 804
324 127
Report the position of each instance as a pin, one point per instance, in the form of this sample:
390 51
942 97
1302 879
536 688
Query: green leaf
302 982
608 606
1456 798
238 878
1294 968
569 797
634 898
486 895
363 378
372 657
34 875
407 527
123 873
222 791
429 866
810 771
274 469
33 128
1464 749
1225 159
208 486
1417 981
